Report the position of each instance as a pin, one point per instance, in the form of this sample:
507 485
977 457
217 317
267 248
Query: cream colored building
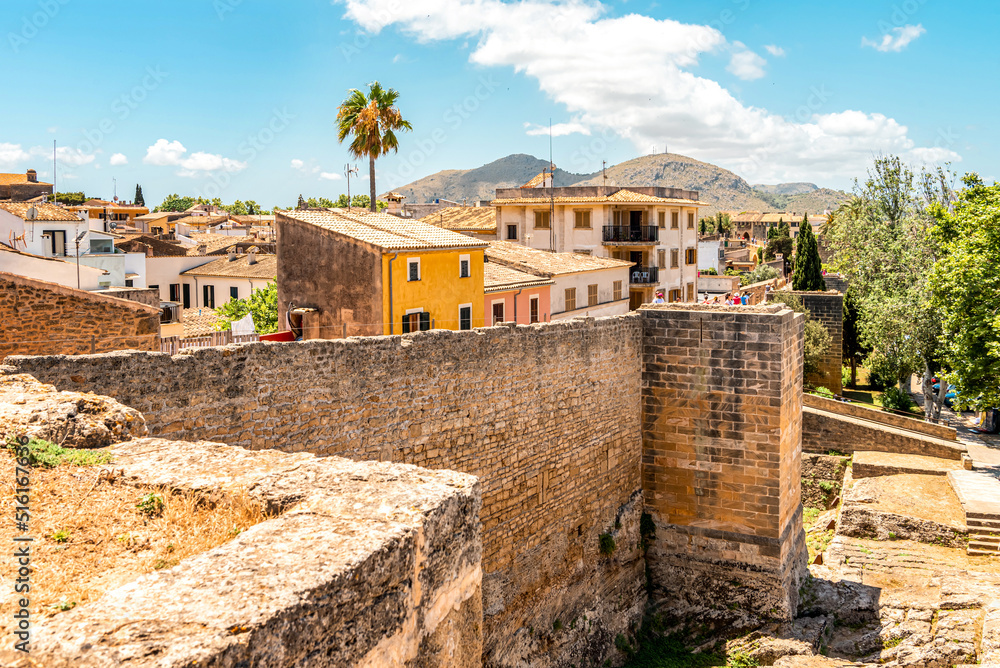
654 229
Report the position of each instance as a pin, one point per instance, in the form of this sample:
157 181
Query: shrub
711 271
762 272
151 504
894 399
823 392
845 376
606 543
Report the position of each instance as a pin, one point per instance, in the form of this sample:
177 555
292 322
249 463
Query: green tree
723 224
177 203
373 121
301 204
69 199
138 196
854 349
706 225
262 305
762 272
885 244
779 242
966 286
808 266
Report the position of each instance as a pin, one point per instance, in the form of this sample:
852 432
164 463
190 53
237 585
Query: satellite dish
112 226
32 213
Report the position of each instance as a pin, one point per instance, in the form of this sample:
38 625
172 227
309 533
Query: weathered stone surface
804 636
822 479
828 309
547 416
894 508
721 392
378 564
41 318
816 661
72 419
823 431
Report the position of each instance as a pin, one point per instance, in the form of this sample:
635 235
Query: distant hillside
720 188
481 183
786 188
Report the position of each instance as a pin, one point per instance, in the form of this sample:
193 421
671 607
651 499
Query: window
413 269
582 220
617 291
675 296
208 292
154 287
533 309
416 320
498 312
661 257
542 220
592 295
663 219
186 295
465 317
57 242
570 299
463 266
175 292
690 292
512 233
675 254
674 218
234 292
617 217
129 283
691 256
690 221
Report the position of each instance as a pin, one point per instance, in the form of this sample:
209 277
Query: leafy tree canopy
69 199
262 305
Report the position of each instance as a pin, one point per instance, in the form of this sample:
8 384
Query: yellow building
358 273
110 212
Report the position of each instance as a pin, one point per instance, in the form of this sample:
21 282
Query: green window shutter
425 321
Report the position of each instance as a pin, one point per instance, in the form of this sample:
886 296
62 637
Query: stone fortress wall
574 428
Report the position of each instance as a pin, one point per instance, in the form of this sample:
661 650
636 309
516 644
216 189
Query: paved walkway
983 448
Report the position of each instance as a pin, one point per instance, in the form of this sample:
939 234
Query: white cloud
330 176
746 64
895 40
301 166
629 76
558 130
11 155
775 50
297 164
171 154
118 159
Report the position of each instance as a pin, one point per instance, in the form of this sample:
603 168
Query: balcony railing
625 234
644 275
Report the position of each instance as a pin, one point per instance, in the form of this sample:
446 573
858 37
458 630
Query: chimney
232 254
252 256
32 176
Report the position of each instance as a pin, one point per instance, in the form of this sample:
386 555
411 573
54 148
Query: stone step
979 492
980 545
987 540
989 525
870 464
974 552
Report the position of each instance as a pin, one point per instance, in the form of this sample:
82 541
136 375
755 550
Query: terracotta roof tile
544 263
11 179
213 242
265 268
538 180
499 277
198 322
464 218
45 211
201 221
384 231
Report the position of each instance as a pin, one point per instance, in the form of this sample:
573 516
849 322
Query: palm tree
373 120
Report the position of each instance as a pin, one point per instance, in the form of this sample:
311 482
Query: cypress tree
138 196
808 266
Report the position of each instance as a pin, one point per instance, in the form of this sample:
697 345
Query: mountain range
720 188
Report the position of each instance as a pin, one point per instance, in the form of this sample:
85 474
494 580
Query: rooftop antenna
55 189
604 171
348 170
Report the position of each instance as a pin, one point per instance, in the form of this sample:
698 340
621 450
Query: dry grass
91 538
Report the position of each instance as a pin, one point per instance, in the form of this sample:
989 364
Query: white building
230 277
712 255
52 269
582 285
652 229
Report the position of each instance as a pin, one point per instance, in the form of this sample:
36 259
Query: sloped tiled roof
213 242
266 267
45 211
262 219
498 277
620 197
383 231
200 221
465 218
538 180
198 321
544 263
139 244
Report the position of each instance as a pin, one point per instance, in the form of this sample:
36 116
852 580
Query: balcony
644 275
631 234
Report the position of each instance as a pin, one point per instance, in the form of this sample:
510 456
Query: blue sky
237 98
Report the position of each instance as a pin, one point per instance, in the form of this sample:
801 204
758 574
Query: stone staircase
979 492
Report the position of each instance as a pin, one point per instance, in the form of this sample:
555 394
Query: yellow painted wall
439 291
